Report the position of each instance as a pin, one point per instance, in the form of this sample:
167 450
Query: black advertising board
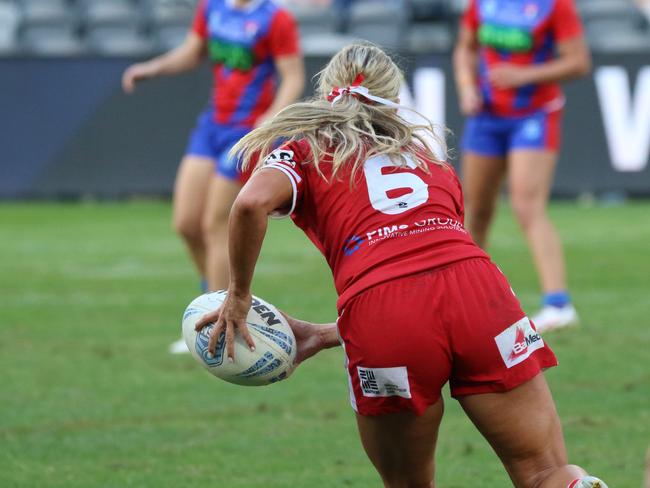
69 131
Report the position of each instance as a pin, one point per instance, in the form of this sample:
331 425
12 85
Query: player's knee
526 212
189 229
214 227
534 463
480 217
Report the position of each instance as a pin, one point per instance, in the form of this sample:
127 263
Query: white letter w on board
626 117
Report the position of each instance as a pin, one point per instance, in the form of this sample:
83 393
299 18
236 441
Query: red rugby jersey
242 45
390 222
521 32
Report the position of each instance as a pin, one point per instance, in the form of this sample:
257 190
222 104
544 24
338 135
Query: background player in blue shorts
509 58
258 70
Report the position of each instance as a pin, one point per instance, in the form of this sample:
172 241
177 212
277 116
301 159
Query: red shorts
404 339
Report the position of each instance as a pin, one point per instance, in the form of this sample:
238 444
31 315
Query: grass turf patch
92 294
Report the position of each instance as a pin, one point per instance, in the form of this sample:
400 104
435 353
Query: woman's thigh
482 176
523 428
191 192
221 196
401 445
483 165
530 178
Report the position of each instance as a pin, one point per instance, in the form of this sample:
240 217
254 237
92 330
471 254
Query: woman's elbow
581 60
584 65
247 206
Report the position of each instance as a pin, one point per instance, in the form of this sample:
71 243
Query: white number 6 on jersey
380 184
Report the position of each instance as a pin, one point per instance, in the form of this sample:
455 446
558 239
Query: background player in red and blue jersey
509 58
258 70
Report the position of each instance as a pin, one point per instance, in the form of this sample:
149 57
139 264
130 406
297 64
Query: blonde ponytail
352 129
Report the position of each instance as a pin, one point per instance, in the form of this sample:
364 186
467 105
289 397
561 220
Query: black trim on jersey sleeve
283 159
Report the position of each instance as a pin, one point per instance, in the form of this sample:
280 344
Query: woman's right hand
136 73
471 100
311 338
308 338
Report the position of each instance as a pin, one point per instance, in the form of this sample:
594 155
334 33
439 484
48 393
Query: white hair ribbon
359 91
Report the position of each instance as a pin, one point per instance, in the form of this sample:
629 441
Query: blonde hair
353 129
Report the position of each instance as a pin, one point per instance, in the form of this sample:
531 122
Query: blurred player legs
482 177
189 202
530 180
530 176
508 82
258 70
202 201
221 196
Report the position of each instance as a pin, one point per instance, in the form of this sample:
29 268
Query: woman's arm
465 67
573 61
291 70
312 338
185 57
266 191
269 190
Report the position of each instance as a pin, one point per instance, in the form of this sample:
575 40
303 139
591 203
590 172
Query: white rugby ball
275 345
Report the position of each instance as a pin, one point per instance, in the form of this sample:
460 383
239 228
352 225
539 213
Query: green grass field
92 294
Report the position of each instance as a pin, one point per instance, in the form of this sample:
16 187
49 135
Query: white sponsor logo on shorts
518 342
384 382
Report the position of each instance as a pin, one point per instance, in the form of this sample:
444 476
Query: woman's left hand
230 317
507 75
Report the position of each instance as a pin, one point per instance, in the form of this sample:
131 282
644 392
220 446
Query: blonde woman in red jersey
419 303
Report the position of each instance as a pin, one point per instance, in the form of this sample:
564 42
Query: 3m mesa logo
368 381
384 382
518 342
